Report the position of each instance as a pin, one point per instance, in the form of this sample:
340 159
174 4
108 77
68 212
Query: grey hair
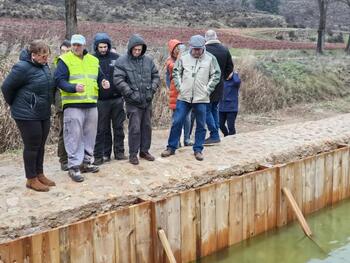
210 35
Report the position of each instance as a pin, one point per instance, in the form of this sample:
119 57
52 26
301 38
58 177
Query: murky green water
331 229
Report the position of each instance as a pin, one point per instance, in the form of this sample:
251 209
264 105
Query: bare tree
71 18
347 49
323 7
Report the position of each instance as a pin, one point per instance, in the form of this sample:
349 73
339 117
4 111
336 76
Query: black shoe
106 159
120 156
147 156
64 167
210 141
134 160
89 168
189 143
98 161
198 156
75 175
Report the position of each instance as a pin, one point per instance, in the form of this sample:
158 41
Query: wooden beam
297 212
166 246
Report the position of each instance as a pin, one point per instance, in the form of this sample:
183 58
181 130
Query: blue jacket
28 89
229 101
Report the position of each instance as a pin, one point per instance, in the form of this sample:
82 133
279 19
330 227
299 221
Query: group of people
93 95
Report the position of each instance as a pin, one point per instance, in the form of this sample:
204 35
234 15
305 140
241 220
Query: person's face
102 48
136 51
78 49
64 49
197 52
41 58
176 52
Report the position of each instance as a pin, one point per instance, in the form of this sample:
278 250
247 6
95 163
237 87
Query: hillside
204 13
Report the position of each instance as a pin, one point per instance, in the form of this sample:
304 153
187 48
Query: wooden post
166 246
297 212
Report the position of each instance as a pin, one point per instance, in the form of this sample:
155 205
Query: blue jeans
212 120
181 113
186 127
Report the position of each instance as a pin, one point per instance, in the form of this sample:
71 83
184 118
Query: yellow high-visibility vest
81 71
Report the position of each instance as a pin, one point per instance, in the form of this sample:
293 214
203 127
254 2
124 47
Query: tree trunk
322 4
347 49
71 18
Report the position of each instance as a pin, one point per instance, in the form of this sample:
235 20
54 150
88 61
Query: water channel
331 229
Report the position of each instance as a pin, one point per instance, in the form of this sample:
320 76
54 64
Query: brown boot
46 181
35 184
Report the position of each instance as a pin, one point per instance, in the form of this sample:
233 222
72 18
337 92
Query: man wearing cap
137 78
77 75
195 76
110 106
223 56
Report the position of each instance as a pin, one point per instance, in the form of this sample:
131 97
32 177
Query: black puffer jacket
28 89
107 63
137 78
224 59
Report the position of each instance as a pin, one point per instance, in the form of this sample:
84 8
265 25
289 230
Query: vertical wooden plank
143 229
64 245
337 164
282 172
123 233
299 174
309 185
45 247
208 234
222 202
271 198
174 225
261 202
188 226
198 223
236 211
161 222
320 182
37 248
5 252
344 173
329 162
104 239
54 246
248 205
80 239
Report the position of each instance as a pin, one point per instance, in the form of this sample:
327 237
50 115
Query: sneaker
210 141
98 161
89 168
167 153
75 175
147 156
198 156
64 167
134 160
106 159
120 156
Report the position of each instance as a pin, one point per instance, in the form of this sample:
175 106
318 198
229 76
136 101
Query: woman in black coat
28 91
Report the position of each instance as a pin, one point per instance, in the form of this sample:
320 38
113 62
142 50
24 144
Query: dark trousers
140 128
34 135
110 111
61 151
230 118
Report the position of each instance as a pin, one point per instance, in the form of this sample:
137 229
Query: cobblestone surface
119 183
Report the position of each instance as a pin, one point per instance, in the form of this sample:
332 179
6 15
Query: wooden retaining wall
197 222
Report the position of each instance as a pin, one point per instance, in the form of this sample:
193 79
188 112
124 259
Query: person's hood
25 55
136 40
172 44
102 38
